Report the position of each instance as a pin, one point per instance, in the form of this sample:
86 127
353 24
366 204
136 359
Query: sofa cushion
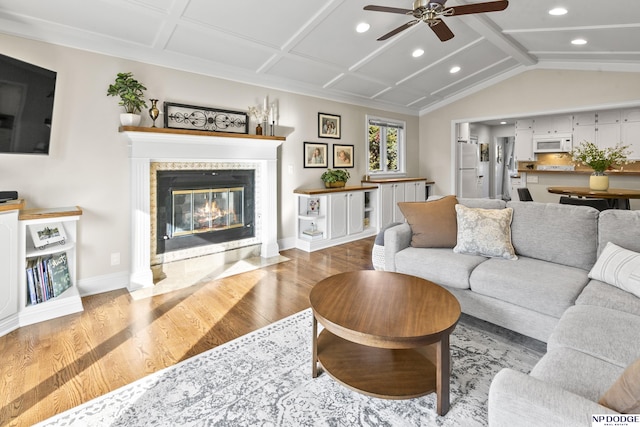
624 394
438 265
621 227
482 203
619 267
566 368
484 232
541 286
604 333
604 295
563 234
433 223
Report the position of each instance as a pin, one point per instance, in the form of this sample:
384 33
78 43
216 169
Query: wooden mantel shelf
198 133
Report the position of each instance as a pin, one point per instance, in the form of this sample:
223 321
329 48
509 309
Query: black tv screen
26 106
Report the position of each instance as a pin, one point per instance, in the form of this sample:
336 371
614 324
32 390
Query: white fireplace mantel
149 145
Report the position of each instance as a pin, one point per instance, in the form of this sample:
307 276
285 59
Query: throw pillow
485 232
433 223
624 395
618 267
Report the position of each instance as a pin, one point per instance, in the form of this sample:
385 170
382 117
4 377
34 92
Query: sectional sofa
566 275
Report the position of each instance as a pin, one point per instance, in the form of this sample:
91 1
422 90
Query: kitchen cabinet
464 131
329 217
630 115
523 146
601 128
524 124
562 123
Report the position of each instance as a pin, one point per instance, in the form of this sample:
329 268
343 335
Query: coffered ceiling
312 47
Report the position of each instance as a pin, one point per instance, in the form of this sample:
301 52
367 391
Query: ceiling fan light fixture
558 11
417 53
454 69
578 42
362 27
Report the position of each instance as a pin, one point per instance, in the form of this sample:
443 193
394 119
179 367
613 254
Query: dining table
618 198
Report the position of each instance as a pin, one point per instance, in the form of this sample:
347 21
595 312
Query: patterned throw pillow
485 232
618 267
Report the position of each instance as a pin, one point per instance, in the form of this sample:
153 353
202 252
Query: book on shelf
47 277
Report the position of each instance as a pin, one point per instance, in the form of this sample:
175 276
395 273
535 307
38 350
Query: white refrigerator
468 168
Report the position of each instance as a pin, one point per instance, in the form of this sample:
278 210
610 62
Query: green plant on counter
335 175
600 159
130 92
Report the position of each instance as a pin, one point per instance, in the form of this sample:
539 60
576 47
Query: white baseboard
105 283
287 243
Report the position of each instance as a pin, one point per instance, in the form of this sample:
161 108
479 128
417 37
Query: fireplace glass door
207 210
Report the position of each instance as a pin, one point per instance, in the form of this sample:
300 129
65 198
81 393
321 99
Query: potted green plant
600 160
131 93
333 178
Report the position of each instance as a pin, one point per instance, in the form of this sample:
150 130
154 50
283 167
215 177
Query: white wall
88 163
527 94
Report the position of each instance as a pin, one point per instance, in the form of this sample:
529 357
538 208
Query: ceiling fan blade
388 9
493 6
443 31
399 29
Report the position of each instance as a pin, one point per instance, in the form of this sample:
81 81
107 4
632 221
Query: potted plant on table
600 160
334 178
131 93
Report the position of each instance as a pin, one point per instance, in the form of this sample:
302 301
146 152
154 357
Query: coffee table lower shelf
378 372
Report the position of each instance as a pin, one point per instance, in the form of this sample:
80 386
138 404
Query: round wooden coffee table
385 334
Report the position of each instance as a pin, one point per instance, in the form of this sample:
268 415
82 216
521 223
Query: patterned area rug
264 379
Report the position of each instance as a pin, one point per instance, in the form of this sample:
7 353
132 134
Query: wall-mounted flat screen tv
26 106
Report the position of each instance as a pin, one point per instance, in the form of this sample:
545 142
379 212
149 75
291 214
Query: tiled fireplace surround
150 150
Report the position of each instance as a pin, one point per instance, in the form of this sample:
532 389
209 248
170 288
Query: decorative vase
598 181
259 129
129 119
336 184
153 111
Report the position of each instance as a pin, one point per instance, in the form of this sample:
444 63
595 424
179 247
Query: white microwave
559 143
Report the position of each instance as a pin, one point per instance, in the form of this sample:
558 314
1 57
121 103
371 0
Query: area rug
264 379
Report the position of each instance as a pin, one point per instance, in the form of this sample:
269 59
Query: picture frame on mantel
193 117
329 126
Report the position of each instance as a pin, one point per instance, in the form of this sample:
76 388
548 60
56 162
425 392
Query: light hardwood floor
52 366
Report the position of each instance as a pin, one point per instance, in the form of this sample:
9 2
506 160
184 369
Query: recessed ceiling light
578 41
558 11
503 123
363 27
454 70
417 53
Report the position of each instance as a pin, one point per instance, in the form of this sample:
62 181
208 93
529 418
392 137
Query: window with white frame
385 146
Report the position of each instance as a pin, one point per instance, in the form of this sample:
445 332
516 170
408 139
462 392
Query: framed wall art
315 155
342 156
328 126
192 117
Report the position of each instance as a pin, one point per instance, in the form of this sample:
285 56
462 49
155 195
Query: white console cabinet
394 191
329 217
9 266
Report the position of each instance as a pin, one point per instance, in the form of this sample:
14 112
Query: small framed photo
313 206
315 155
46 234
328 126
342 156
191 117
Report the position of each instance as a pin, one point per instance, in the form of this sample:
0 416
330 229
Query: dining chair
525 195
600 204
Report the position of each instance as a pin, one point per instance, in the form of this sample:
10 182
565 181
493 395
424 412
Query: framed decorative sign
315 155
328 126
191 117
46 234
342 156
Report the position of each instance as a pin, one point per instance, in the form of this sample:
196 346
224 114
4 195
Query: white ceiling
311 47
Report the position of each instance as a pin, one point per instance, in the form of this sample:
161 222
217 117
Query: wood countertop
42 213
12 205
392 180
579 172
313 191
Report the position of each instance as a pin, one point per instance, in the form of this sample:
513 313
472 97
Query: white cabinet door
607 135
8 264
386 204
584 133
414 191
631 136
524 124
398 196
338 215
562 123
631 115
523 149
355 212
609 116
584 119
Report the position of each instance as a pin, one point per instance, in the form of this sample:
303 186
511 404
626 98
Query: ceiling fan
431 12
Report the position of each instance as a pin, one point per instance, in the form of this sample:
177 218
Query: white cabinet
415 191
601 128
584 119
67 302
464 132
630 115
562 123
347 214
523 147
8 270
337 216
395 192
524 124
